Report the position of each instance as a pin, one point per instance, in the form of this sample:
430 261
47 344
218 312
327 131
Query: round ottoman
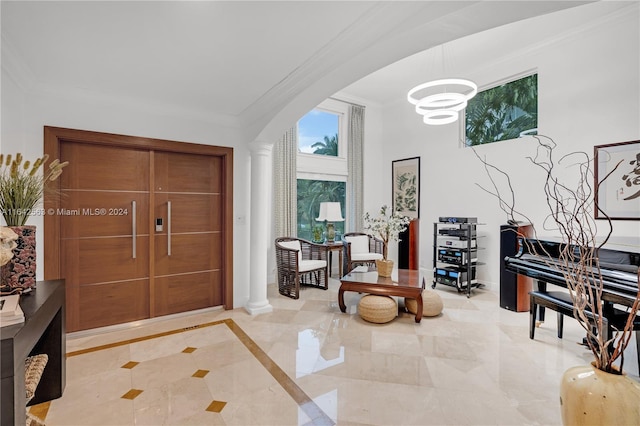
431 304
377 309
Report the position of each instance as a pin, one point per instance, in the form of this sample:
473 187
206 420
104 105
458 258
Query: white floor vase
589 396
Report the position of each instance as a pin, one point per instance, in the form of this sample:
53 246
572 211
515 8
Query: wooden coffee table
402 283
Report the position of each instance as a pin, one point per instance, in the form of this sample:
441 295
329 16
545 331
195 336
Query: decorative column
260 226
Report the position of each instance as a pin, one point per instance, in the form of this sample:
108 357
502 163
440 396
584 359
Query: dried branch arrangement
571 207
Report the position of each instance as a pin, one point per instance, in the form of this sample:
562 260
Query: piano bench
558 301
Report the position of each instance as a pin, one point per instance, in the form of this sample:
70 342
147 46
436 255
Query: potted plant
598 393
317 234
22 186
387 226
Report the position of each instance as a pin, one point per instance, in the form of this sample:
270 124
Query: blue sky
314 126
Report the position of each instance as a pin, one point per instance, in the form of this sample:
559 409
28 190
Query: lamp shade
330 212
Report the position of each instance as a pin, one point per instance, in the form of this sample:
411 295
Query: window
318 133
310 194
322 165
503 112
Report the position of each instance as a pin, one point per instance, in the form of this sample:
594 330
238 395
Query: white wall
589 94
24 114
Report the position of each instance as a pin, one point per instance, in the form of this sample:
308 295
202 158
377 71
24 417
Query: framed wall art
617 181
406 187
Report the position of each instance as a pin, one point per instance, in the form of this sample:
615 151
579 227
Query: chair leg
560 324
297 288
638 348
326 280
533 310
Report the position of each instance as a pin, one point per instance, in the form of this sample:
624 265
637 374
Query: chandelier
438 103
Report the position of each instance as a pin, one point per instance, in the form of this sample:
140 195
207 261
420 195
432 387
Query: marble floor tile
307 363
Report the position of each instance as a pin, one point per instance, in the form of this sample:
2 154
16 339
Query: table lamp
330 212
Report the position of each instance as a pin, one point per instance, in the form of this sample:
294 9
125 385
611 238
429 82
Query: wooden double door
143 230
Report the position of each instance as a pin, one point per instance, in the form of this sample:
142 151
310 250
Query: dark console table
43 332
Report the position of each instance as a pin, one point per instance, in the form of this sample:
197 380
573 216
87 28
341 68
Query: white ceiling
235 58
482 50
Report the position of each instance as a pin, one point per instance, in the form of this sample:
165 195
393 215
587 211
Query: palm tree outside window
322 166
503 112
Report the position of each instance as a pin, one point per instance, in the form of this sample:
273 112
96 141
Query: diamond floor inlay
132 394
130 364
216 406
200 373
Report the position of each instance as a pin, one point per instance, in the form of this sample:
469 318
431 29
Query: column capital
260 147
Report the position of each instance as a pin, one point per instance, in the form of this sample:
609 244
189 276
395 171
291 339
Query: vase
20 271
589 396
384 267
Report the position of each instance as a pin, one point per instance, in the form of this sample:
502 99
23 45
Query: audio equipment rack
455 254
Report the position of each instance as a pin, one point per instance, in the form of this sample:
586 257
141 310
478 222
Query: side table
331 247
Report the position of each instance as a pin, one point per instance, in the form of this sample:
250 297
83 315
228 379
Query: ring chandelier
442 108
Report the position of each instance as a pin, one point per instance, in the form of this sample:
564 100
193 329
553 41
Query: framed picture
617 181
406 187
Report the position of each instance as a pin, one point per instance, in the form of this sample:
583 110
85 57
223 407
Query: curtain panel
285 184
355 167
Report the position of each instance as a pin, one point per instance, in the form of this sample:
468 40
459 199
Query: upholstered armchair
361 249
300 262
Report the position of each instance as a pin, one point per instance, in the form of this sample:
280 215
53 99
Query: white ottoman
377 309
431 304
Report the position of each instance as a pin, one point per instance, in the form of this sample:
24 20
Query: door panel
190 275
101 214
187 292
189 253
99 167
113 303
97 234
106 284
175 172
190 212
98 260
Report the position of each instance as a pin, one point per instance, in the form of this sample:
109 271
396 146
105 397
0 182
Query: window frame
325 167
326 164
506 80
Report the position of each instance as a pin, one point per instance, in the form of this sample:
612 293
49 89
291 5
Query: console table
43 332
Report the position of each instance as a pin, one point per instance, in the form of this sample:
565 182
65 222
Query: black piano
619 263
539 259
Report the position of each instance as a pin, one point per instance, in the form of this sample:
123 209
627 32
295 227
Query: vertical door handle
168 228
134 228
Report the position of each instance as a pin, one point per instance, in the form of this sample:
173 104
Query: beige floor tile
473 364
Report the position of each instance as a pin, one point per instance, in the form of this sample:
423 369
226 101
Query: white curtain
285 184
354 180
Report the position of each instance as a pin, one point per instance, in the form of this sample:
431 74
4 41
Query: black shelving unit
455 255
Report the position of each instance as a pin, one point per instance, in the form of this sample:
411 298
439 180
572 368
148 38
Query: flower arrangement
22 185
387 226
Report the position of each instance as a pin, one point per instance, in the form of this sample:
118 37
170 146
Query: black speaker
514 288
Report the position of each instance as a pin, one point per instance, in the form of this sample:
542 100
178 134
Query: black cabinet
43 332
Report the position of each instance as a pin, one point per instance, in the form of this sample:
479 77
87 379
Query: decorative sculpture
7 244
